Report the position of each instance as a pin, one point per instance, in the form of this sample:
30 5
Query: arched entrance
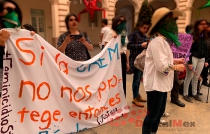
126 8
85 24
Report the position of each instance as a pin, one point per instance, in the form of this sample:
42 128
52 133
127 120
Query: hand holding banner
45 92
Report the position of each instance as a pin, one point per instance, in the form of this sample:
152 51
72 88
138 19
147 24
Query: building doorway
125 8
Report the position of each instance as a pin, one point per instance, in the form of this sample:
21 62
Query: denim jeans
156 104
137 75
198 67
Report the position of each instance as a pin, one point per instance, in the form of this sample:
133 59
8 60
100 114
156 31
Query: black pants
156 104
204 74
176 87
123 62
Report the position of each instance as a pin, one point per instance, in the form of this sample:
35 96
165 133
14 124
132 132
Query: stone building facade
48 15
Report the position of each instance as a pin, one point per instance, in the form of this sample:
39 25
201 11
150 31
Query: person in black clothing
198 58
137 43
10 17
177 84
205 69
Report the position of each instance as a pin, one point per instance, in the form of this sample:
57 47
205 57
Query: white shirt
158 56
105 31
110 36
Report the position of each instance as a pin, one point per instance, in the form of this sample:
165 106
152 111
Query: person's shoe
141 99
187 98
137 102
199 93
163 122
196 97
178 103
165 115
205 84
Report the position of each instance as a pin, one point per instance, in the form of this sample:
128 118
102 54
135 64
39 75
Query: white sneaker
163 122
165 115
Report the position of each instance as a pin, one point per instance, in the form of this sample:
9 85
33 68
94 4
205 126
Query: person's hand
127 67
32 33
144 45
206 64
190 66
115 35
179 61
4 35
82 39
180 67
68 39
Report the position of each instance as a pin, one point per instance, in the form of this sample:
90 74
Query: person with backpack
137 43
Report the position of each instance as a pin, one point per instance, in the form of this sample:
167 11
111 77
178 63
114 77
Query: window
38 22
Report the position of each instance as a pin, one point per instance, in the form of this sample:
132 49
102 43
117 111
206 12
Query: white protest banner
183 50
45 92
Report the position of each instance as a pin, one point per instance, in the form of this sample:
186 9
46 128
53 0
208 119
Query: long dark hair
67 20
29 27
17 9
196 34
115 21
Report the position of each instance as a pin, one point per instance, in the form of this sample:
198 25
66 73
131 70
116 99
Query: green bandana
121 29
11 20
169 29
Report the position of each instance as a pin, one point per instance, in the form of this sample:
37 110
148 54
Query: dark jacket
199 50
208 46
135 40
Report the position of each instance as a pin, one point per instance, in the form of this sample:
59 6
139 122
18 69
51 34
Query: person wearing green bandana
160 65
119 29
10 17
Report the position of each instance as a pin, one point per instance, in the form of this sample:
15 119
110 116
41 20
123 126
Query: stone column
188 13
135 18
59 9
110 15
55 21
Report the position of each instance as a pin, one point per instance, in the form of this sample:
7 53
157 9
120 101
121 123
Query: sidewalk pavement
194 118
